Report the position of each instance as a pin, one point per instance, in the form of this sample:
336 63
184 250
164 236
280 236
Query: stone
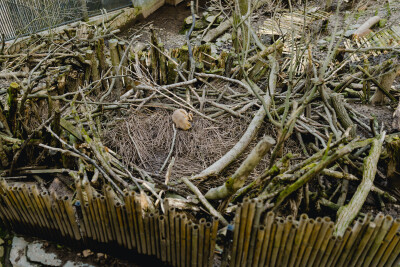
86 253
76 264
36 253
18 253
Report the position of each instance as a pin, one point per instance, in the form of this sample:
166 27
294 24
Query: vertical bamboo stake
325 226
61 214
389 250
213 240
389 236
157 235
189 248
328 251
257 252
110 198
366 221
129 215
120 223
96 219
378 240
27 207
324 244
12 192
269 220
298 238
207 240
254 231
249 227
35 196
236 234
312 241
394 255
78 186
163 242
355 231
289 245
363 242
71 216
378 222
242 230
171 214
152 234
139 217
108 225
126 227
167 233
35 208
200 253
195 233
53 213
177 239
285 235
338 247
304 241
103 227
183 236
277 241
146 221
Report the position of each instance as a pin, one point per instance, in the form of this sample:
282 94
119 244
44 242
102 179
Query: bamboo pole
63 210
146 222
269 220
280 224
102 217
285 235
386 241
163 243
305 240
325 225
129 216
213 240
177 239
183 240
26 207
255 258
195 233
126 227
189 234
12 192
157 234
378 240
289 245
394 255
96 219
120 223
389 250
108 225
152 234
171 215
71 216
53 213
167 233
200 254
378 222
355 231
35 196
254 231
242 229
249 227
367 220
135 220
60 212
363 242
110 199
33 205
78 186
298 238
338 248
328 251
207 241
324 244
236 234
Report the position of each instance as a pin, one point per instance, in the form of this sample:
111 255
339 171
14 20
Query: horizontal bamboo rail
258 238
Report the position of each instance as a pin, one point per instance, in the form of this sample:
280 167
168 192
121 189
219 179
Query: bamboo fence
257 239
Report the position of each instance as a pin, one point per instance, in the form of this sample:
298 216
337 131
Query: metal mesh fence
23 17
